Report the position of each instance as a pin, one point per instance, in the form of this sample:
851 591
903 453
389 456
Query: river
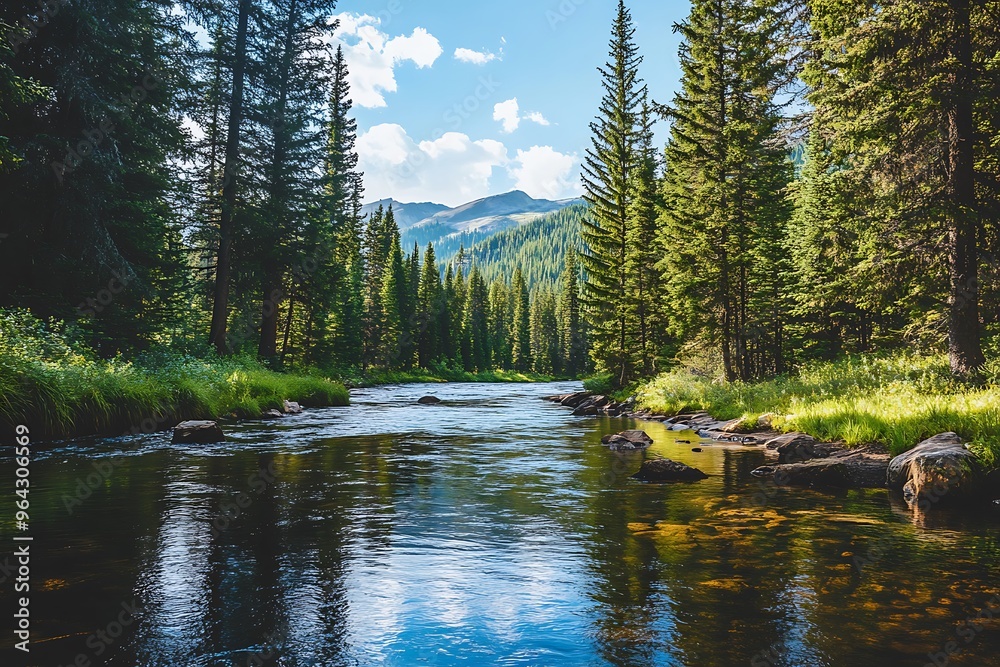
492 529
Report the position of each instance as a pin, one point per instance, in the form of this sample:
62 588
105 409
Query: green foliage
905 94
60 389
604 384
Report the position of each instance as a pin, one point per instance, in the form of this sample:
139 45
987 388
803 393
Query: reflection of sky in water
492 529
174 584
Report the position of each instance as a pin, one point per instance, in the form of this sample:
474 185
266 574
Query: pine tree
428 309
231 171
90 129
545 348
344 191
722 201
643 299
520 332
291 94
903 85
608 181
374 253
477 323
393 295
461 349
499 326
574 350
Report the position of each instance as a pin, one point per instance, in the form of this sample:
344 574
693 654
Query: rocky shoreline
938 472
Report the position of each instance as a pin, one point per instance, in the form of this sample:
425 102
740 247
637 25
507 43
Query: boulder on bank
292 408
833 466
815 473
627 440
198 433
574 400
665 470
429 400
940 470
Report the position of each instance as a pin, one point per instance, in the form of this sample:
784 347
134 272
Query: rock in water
292 408
429 400
272 414
938 470
637 440
198 432
818 472
665 470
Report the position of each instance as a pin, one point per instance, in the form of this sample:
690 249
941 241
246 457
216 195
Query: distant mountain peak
494 212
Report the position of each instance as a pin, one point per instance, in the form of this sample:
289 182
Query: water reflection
490 530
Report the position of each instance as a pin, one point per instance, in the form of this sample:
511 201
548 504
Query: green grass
895 400
59 389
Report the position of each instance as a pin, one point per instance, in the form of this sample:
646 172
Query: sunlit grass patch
894 400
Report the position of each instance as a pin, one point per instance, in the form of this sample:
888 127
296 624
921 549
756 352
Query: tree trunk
271 297
964 346
223 268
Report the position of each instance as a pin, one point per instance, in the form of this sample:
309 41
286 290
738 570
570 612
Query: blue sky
435 84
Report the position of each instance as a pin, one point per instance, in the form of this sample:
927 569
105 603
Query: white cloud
537 117
372 55
508 113
475 57
545 173
452 169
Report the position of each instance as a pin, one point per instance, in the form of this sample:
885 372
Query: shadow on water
492 529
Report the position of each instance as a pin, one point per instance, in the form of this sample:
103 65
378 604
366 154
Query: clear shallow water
490 530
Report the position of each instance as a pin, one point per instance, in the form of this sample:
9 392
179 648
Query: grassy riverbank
896 401
60 389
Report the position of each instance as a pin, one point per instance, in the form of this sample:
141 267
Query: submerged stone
198 432
665 470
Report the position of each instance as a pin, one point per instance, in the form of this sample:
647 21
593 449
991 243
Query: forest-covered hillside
537 248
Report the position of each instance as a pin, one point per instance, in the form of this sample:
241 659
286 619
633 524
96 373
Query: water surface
492 529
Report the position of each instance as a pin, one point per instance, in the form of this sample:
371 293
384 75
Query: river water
492 529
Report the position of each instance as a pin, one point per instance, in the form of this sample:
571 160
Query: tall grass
60 389
895 400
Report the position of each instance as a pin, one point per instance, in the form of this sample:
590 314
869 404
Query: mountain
470 223
538 248
496 212
407 215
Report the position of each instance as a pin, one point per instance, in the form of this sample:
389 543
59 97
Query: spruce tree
428 310
905 88
393 295
723 187
574 349
477 323
643 298
608 178
499 326
520 332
